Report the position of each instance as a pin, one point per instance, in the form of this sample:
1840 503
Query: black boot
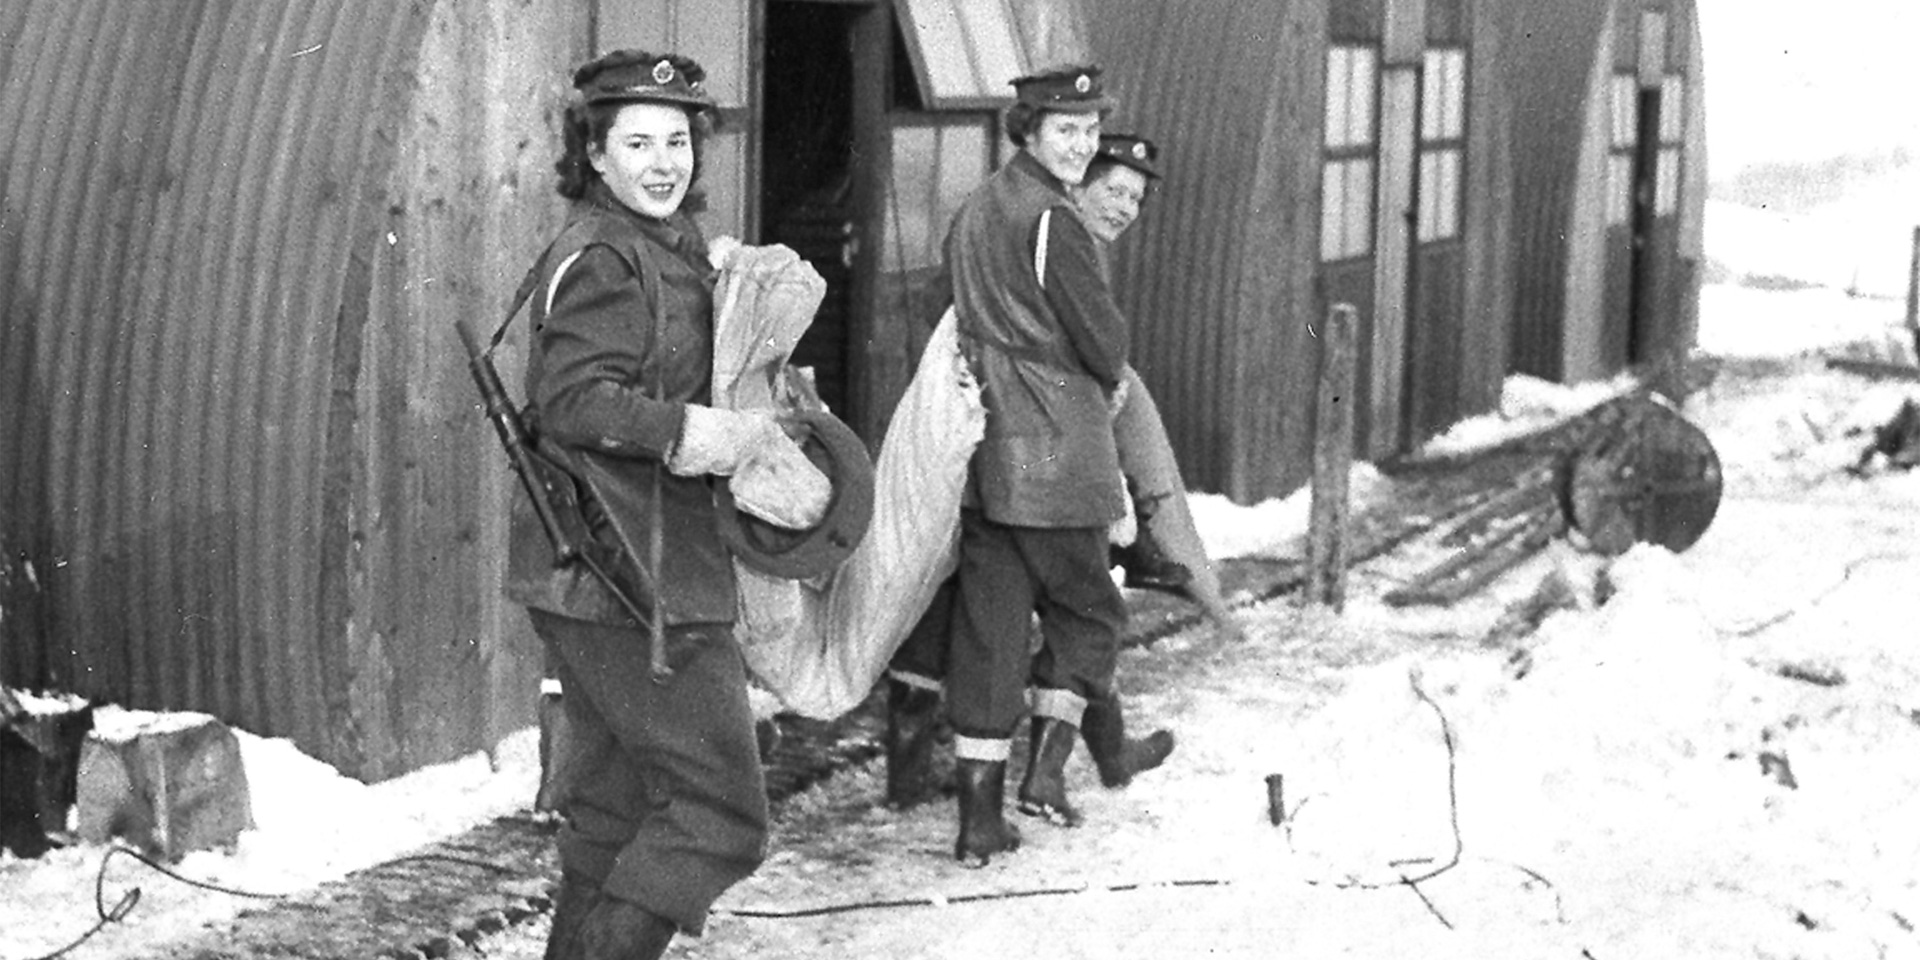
1147 566
617 929
913 727
984 830
1043 793
576 898
1116 756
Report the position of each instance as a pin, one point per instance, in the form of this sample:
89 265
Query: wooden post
1332 461
1913 296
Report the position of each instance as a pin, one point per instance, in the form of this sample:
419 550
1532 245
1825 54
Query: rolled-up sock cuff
918 681
976 748
1063 705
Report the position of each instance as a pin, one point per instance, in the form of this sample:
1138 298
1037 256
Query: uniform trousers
668 806
1007 574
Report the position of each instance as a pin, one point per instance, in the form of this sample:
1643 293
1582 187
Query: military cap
636 76
822 548
1066 90
1129 151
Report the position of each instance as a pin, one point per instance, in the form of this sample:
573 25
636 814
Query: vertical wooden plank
1913 294
1406 32
1332 462
1399 131
640 24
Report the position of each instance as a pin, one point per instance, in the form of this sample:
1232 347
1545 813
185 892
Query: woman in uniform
668 808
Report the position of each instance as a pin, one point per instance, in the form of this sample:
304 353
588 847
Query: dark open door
806 184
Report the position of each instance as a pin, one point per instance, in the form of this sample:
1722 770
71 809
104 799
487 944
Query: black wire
131 898
1453 816
861 905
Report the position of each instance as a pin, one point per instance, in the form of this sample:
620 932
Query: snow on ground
1712 754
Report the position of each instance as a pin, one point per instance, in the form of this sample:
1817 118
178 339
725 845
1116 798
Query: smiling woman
647 160
668 807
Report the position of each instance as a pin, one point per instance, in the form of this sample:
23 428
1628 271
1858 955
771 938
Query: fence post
1332 462
1913 296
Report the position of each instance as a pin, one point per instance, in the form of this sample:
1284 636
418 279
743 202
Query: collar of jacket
676 233
1025 163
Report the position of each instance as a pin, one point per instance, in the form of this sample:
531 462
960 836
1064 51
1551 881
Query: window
964 52
1626 130
1443 102
1673 136
1346 181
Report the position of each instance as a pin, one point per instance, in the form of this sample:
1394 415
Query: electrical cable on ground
121 908
1413 881
939 901
1789 613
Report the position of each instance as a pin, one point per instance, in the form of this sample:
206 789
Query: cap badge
663 73
1139 151
1082 83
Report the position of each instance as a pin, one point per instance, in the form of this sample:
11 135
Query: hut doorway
1642 298
808 194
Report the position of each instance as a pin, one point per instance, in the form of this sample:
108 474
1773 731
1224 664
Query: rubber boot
617 929
1115 755
1147 566
984 830
576 898
913 729
1043 793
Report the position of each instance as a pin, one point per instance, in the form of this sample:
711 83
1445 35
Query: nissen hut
243 470
1609 187
1441 165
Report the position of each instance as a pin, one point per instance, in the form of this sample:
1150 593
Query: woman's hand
772 477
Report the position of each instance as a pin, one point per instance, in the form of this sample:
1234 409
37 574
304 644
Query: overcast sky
1788 80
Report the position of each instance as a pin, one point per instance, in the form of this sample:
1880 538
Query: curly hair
584 126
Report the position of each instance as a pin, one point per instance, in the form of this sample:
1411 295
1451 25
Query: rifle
554 492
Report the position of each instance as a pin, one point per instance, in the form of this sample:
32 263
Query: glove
773 479
1117 400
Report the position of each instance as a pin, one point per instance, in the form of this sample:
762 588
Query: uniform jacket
1047 355
622 342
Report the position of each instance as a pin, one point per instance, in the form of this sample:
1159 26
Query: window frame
1442 144
1350 152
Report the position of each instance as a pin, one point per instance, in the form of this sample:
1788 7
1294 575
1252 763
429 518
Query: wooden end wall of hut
441 662
252 480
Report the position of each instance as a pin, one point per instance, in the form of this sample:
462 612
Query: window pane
1359 226
1450 187
1360 115
1456 93
1429 196
1673 109
1443 94
1338 65
966 50
1619 188
934 170
1332 210
1668 199
1626 94
1431 83
994 46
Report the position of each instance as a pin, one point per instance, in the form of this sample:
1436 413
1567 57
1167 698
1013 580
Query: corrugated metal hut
1317 152
241 470
242 467
1610 184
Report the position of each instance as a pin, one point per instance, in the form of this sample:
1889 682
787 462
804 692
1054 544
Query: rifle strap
650 281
